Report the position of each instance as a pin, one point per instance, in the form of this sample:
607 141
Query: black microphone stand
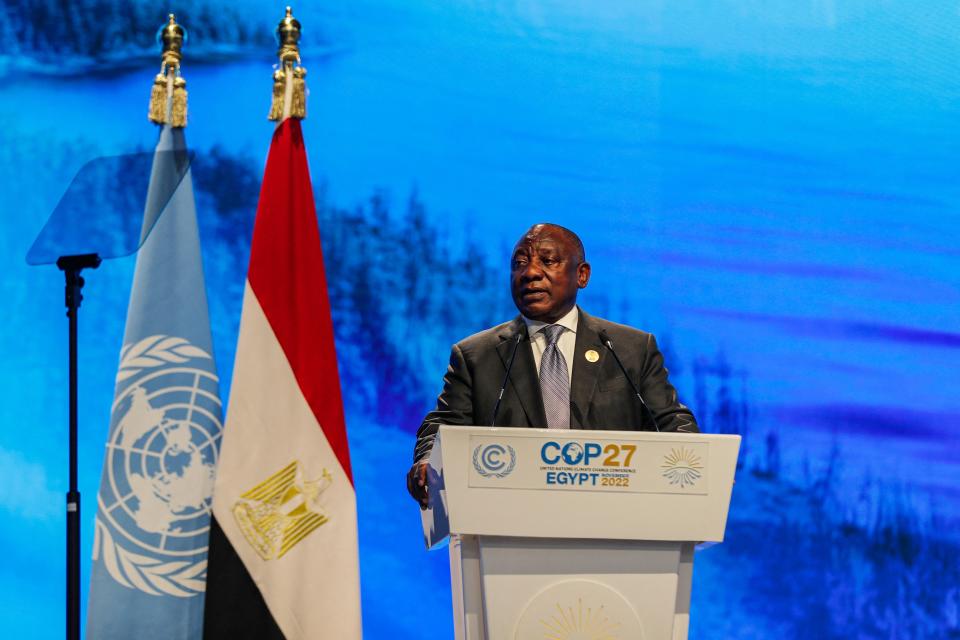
609 345
71 267
506 377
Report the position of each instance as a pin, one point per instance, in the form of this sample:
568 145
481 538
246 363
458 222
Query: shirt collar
568 322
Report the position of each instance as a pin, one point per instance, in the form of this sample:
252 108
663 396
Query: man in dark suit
564 376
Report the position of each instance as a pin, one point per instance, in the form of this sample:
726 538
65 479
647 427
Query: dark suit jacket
600 396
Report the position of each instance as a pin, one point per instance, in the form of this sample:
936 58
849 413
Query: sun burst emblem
579 623
682 466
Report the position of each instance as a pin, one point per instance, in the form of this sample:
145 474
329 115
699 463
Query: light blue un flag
153 510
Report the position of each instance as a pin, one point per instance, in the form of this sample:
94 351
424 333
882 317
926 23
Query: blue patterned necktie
554 381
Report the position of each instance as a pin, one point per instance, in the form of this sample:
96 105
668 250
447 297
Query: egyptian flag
283 553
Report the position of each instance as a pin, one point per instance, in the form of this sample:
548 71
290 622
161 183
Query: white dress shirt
567 342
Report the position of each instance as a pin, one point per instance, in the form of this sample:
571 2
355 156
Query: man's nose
532 271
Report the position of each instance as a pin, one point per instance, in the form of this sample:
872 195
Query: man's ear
583 274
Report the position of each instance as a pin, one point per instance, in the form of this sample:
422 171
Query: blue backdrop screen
768 187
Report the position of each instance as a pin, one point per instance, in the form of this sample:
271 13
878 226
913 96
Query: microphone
609 345
513 356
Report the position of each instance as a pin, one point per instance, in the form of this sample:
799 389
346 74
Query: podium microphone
513 356
609 345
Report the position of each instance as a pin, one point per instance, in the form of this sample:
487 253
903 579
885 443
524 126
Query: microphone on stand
605 338
521 333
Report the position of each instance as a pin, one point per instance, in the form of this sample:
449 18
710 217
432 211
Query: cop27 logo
494 460
587 454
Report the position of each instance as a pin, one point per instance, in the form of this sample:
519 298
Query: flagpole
284 482
71 267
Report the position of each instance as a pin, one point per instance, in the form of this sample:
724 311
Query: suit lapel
585 373
523 377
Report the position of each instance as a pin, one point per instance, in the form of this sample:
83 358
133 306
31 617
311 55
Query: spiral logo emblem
494 460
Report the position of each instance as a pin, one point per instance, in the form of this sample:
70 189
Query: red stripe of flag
287 275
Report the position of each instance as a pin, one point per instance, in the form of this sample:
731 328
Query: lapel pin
591 356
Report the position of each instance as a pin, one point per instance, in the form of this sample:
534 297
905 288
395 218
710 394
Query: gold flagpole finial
288 36
172 36
168 99
289 85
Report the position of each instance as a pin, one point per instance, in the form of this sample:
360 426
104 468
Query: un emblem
153 517
494 460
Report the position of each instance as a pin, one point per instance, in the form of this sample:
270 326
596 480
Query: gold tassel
158 100
276 105
178 117
298 105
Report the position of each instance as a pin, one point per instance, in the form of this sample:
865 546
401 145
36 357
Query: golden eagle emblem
281 511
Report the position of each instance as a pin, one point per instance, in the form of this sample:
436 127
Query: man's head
547 269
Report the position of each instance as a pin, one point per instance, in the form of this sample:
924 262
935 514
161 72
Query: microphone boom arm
609 345
506 377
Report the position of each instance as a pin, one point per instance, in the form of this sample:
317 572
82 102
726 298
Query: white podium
575 535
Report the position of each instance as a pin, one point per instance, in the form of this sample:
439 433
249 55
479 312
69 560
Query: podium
570 534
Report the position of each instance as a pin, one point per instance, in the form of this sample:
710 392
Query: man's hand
417 483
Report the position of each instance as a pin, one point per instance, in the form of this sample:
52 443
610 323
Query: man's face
545 274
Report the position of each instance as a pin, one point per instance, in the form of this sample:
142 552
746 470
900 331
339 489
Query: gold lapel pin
591 356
